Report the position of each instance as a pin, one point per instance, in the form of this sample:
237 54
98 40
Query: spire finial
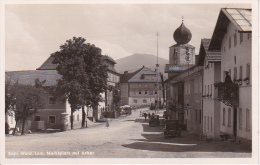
182 19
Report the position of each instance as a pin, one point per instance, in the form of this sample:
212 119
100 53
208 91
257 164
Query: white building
232 37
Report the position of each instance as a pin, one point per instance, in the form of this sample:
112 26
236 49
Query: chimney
125 72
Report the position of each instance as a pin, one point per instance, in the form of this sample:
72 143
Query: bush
7 128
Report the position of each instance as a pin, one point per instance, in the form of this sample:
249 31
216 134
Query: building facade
232 37
139 89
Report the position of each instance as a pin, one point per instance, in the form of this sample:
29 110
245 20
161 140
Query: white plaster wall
243 53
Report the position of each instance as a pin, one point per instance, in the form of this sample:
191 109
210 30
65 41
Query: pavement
126 137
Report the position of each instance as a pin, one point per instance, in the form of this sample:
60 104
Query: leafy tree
28 101
9 94
83 73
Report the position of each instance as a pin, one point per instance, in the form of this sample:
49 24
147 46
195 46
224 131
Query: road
126 137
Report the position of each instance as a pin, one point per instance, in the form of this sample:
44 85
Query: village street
126 137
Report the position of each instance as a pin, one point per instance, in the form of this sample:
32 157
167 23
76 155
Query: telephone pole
157 71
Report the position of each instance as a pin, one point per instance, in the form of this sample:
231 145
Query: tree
28 101
9 94
83 73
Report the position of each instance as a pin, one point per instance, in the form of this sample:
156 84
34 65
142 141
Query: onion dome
182 35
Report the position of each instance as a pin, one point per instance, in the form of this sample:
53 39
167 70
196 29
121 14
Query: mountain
136 61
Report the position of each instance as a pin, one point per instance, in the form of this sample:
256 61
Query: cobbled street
126 137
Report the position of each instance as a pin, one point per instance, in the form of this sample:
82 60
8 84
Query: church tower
181 55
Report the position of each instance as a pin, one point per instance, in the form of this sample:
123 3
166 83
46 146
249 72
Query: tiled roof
240 18
28 77
204 45
124 78
205 42
48 65
138 76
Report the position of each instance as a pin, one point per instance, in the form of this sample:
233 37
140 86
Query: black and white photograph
153 82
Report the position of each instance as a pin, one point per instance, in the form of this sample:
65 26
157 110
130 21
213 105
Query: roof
124 78
240 18
28 77
106 57
176 68
138 76
213 56
182 34
48 65
8 78
184 45
203 49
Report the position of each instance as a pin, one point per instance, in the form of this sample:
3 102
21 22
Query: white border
255 78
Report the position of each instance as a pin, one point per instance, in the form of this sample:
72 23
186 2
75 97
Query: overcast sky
33 32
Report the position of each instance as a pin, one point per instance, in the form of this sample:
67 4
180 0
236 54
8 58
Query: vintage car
172 128
154 120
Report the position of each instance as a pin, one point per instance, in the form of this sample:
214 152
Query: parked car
154 120
172 128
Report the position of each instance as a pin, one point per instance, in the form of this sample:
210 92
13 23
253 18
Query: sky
34 31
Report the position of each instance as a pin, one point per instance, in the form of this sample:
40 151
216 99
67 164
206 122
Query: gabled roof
204 45
48 65
240 18
124 78
28 77
138 77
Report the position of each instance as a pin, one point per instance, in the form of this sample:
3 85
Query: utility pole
157 71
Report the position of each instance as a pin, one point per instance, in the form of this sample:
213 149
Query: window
52 119
78 117
240 118
248 71
229 116
208 124
235 74
52 100
37 118
155 92
204 123
135 101
144 101
140 92
247 120
224 116
240 72
235 59
196 115
145 92
211 124
241 38
235 39
229 42
200 116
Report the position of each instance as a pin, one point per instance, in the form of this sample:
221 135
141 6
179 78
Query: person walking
145 115
107 123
